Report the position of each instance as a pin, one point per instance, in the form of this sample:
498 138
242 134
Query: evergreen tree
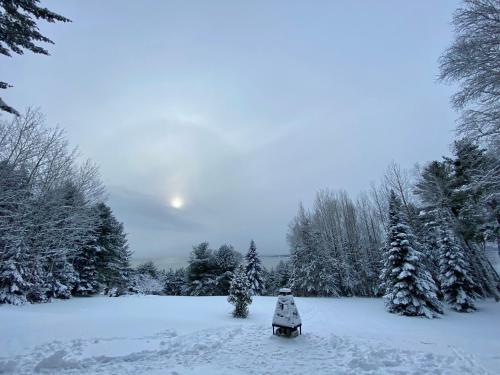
86 266
148 268
85 260
20 32
113 257
409 287
464 189
269 276
456 283
239 293
174 282
225 260
14 272
200 272
254 270
283 275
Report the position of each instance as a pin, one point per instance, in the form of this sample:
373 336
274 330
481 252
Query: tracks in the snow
248 349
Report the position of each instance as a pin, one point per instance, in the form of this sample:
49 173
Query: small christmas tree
239 293
454 273
254 270
409 287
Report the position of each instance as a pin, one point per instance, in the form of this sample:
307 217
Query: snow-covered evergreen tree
409 287
14 272
55 237
200 272
254 270
224 260
174 282
457 284
239 293
283 275
113 257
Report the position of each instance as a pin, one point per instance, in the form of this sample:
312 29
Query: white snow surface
197 335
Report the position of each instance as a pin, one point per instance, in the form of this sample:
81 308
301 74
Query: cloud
143 211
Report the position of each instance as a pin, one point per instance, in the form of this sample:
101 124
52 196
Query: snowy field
197 335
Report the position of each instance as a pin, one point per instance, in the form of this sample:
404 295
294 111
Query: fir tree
409 287
239 293
254 270
456 283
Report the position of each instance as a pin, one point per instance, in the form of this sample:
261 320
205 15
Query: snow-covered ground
197 335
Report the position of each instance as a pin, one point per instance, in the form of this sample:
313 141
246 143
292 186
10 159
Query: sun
177 202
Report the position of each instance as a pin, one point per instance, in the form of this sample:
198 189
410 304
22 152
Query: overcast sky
240 109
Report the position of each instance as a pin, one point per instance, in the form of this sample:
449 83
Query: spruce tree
239 293
454 273
254 270
409 287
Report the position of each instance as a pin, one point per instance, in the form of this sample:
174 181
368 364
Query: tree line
57 236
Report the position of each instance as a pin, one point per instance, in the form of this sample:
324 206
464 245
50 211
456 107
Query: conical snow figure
286 316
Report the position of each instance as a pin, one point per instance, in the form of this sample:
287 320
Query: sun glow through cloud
177 202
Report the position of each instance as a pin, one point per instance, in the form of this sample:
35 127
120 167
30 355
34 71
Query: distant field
175 262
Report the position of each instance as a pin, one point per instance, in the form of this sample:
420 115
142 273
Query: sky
212 120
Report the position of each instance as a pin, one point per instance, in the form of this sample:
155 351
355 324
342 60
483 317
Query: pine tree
86 266
456 283
409 287
113 258
14 252
200 272
239 293
254 270
225 260
20 31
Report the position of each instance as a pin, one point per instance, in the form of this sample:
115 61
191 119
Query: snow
286 313
197 335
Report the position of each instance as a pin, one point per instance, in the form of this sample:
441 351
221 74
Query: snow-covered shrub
146 284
